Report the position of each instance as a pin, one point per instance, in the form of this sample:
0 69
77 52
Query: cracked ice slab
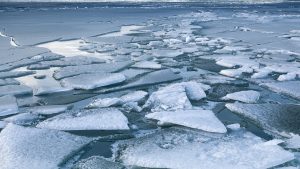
92 81
290 88
8 105
93 68
91 119
198 119
26 147
177 149
15 90
249 96
278 119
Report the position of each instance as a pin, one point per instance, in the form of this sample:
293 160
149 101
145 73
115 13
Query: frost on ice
97 162
198 119
249 96
8 105
176 149
279 119
26 147
91 119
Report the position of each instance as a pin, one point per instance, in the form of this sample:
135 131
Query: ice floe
48 109
293 142
90 119
23 119
8 105
26 147
290 88
97 162
93 80
165 149
199 119
147 65
15 90
135 96
249 96
105 102
277 119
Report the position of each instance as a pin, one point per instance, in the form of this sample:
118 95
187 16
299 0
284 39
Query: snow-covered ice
105 102
135 96
92 81
8 105
97 162
23 119
249 96
199 119
26 147
91 119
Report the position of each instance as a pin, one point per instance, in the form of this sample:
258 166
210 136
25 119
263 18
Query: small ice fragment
199 119
293 142
249 96
92 81
23 119
105 102
88 119
35 148
135 96
147 65
8 105
235 126
231 72
132 106
288 76
194 90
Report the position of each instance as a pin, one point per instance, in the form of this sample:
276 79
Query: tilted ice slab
199 119
160 76
136 96
97 162
290 88
237 150
170 53
91 119
93 68
249 96
23 119
92 81
46 90
278 119
147 65
8 105
26 147
293 142
48 109
15 90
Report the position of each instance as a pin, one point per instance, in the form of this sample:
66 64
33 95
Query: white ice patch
288 76
26 147
125 30
92 81
135 96
147 65
199 119
293 142
91 119
237 150
105 102
8 105
249 96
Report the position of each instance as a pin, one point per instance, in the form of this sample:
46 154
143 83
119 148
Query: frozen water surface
186 84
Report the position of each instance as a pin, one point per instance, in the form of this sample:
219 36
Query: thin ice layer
92 119
275 118
237 150
26 147
8 105
198 119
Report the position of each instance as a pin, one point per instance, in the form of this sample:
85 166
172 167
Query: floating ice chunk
136 96
51 90
262 73
199 119
91 119
290 88
249 96
238 149
171 97
26 147
235 126
97 162
132 106
194 90
8 105
15 90
92 81
48 109
288 76
293 142
231 72
170 53
106 102
93 68
23 119
277 119
147 65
